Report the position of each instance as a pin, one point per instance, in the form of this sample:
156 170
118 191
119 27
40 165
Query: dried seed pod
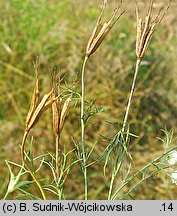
95 31
144 33
148 39
138 38
100 31
145 30
34 99
45 103
63 113
56 111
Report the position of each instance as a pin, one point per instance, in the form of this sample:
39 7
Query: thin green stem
138 61
83 131
27 167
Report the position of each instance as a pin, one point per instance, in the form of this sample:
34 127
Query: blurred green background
57 32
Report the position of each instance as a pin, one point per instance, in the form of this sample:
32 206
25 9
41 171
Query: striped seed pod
63 113
34 99
45 103
100 30
146 29
37 109
56 111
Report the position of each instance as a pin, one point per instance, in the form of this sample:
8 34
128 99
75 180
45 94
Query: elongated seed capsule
34 100
100 37
95 31
138 38
100 31
50 102
56 110
144 34
46 106
94 35
64 112
38 111
105 29
146 29
148 39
